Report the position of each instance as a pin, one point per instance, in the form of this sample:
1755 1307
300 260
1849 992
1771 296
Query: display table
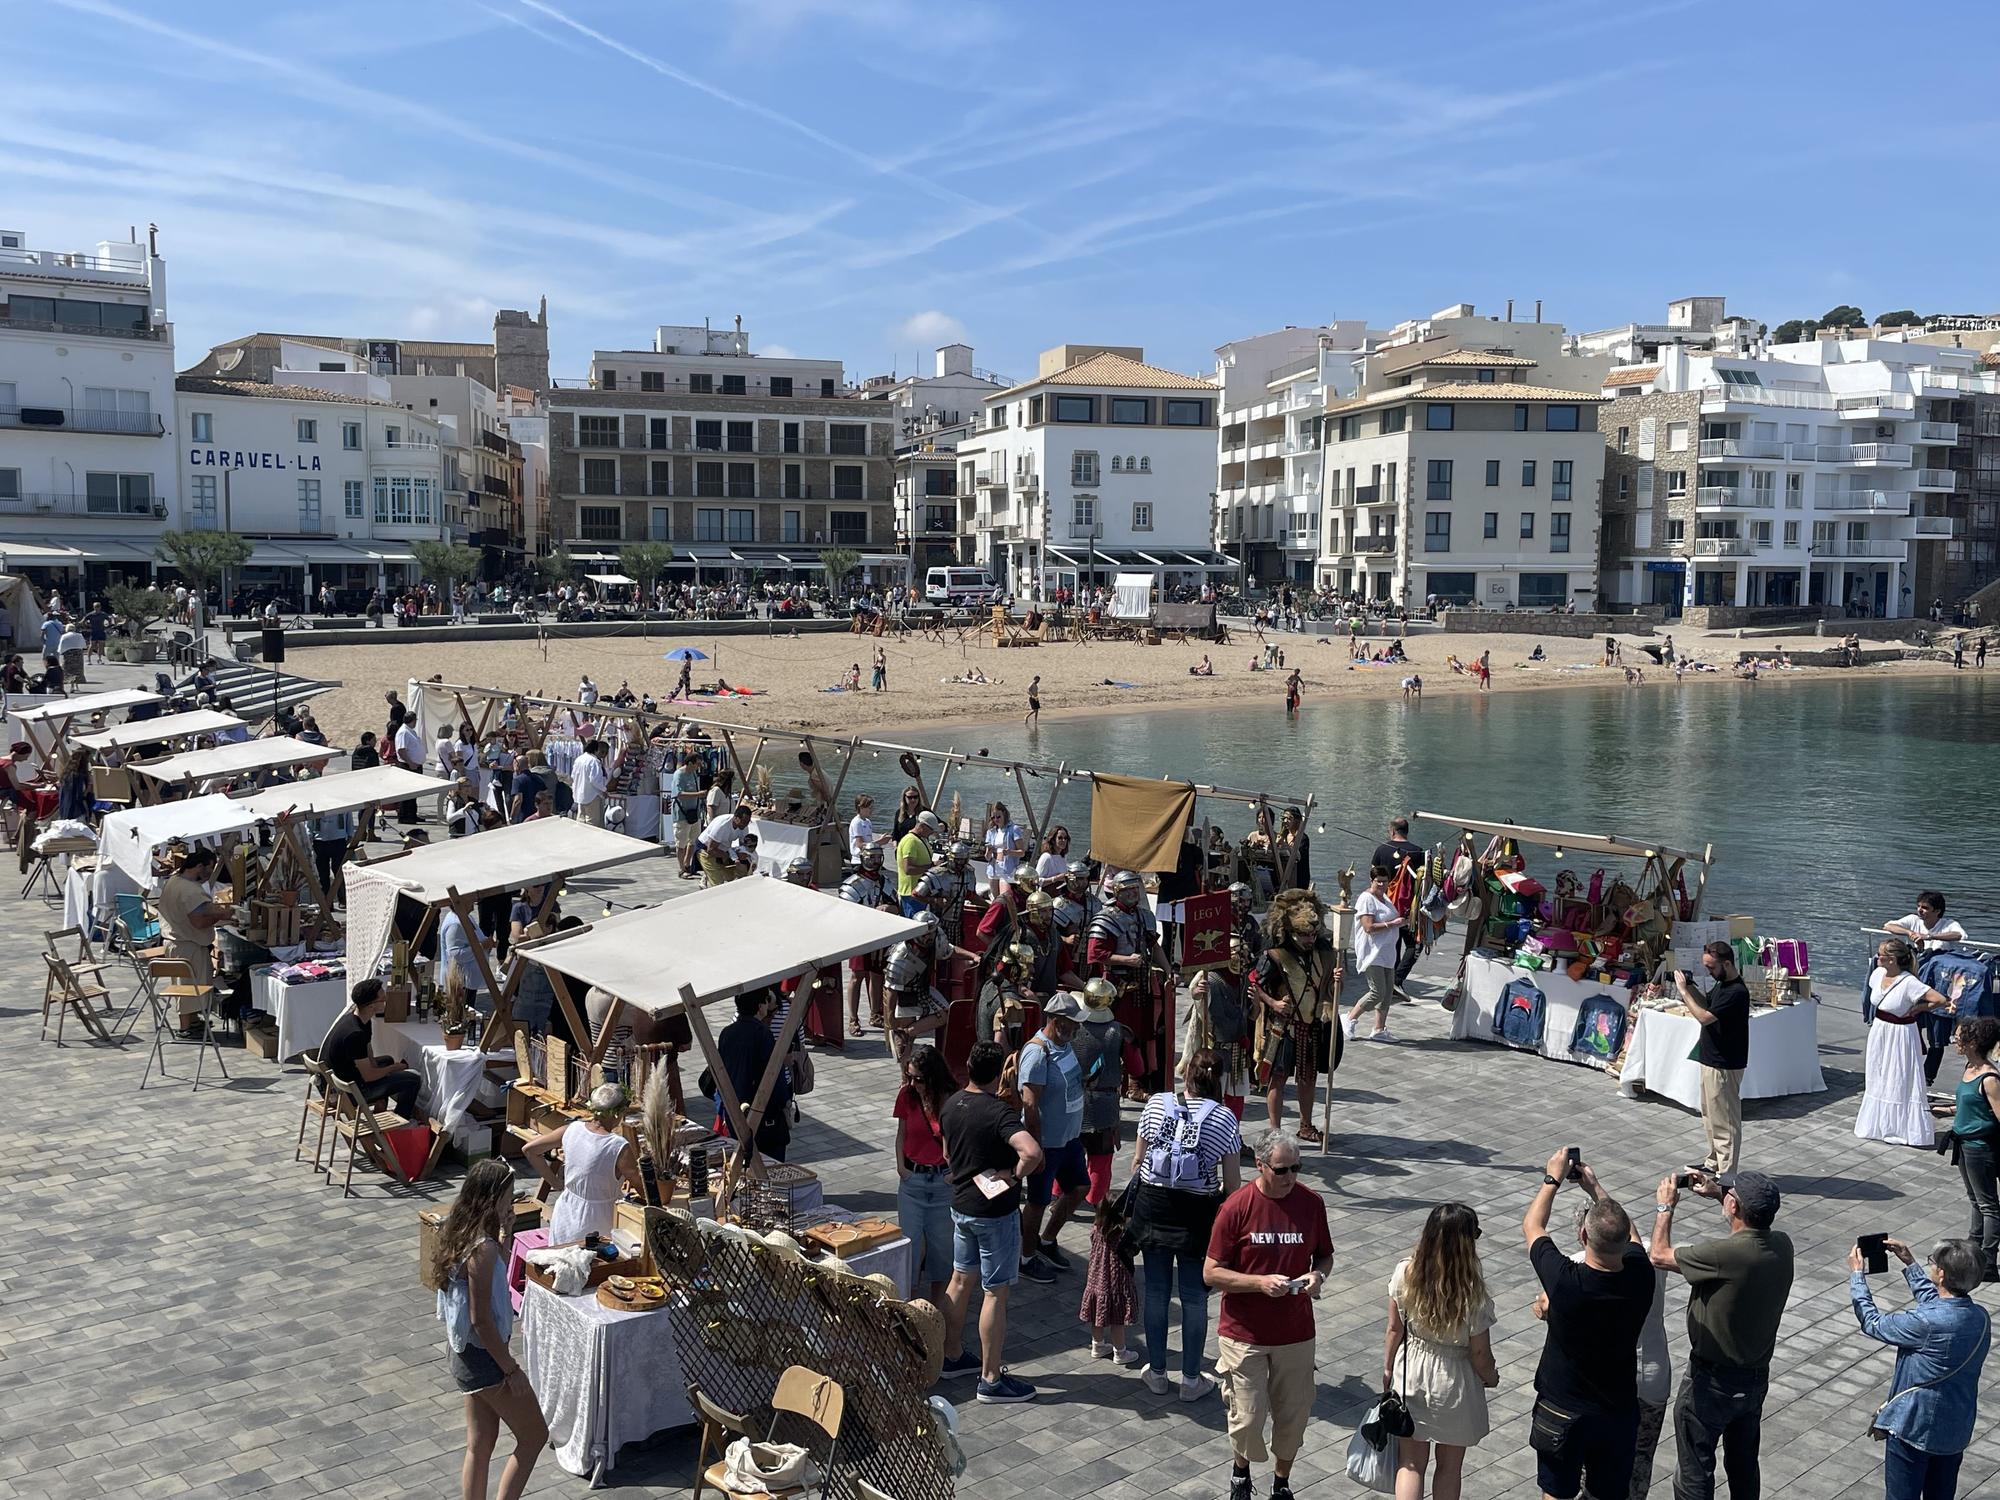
894 1259
451 1078
303 1011
1486 979
79 909
1784 1055
642 816
604 1378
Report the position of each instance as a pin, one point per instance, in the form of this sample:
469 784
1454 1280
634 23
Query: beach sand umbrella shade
686 653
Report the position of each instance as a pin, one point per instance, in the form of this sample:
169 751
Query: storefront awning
40 556
593 557
711 555
608 578
100 549
884 559
1065 558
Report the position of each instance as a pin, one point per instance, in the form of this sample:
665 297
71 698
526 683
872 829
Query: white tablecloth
892 1260
1486 978
78 909
604 1378
451 1079
303 1011
642 816
1784 1055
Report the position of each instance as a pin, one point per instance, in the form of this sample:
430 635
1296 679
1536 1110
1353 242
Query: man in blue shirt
1052 1092
1940 1343
52 633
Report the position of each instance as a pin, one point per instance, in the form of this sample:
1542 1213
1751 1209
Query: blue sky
868 178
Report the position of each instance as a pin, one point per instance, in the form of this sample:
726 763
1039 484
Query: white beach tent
126 736
682 955
239 759
20 616
1133 598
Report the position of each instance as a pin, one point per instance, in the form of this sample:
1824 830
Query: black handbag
1392 1415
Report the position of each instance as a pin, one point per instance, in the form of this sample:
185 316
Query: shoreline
789 677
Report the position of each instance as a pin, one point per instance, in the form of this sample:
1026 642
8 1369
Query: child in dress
1109 1296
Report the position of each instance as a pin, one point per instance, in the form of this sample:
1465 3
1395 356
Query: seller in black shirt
1390 856
1723 1052
1585 1423
989 1153
346 1053
745 1046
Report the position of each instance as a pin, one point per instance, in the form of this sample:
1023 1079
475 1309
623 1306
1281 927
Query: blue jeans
990 1245
923 1212
1194 1308
1912 1474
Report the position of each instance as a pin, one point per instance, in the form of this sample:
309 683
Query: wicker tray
851 1239
632 1296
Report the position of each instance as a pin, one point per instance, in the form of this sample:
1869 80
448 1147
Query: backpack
1600 1028
1518 1018
1176 1161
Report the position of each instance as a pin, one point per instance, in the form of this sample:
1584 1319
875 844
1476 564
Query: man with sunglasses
1268 1254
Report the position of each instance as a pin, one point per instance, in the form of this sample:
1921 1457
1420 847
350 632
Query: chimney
1538 309
1510 309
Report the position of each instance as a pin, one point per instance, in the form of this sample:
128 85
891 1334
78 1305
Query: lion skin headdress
1298 917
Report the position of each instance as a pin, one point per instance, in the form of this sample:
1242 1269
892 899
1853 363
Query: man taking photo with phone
1723 1052
1737 1288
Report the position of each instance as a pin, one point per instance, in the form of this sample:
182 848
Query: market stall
599 1375
304 1003
225 762
1784 1054
454 875
46 727
137 734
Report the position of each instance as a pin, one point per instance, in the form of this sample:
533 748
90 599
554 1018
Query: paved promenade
186 1311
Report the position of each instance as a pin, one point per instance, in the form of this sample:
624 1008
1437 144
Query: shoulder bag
1371 1452
1880 1433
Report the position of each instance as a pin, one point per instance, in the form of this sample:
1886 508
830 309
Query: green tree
140 608
838 562
1844 316
642 562
1902 317
552 568
203 557
445 563
1794 331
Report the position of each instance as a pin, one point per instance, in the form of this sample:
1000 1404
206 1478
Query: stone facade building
1650 483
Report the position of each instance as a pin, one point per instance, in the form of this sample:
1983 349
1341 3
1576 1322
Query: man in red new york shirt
1268 1254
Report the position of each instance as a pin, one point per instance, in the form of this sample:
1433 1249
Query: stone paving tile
200 1315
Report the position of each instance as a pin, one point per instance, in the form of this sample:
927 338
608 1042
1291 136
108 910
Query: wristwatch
1663 1208
1548 1181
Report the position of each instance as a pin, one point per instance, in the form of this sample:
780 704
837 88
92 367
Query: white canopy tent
129 838
457 873
239 759
345 791
679 957
609 578
158 731
1133 598
45 724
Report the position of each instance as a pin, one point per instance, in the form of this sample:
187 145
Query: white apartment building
1268 488
1697 324
1464 475
1099 465
950 396
332 481
88 473
1808 477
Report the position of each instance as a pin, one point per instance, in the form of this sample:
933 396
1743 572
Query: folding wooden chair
356 1122
110 787
172 981
817 1398
321 1101
68 991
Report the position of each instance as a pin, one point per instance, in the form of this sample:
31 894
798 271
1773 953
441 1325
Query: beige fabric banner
1137 823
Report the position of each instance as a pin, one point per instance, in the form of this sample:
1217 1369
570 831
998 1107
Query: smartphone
1300 1283
1684 1180
1874 1250
1575 1161
1688 975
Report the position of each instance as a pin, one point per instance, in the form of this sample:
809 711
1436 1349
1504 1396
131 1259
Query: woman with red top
923 1183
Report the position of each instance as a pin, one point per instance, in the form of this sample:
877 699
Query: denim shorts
990 1246
1064 1166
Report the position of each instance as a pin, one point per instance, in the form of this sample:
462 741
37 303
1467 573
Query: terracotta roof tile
1466 390
1637 375
1494 359
201 385
1116 370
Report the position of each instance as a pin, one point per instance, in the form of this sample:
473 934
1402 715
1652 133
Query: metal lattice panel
751 1311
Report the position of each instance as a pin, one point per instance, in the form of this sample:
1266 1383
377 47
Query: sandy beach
789 674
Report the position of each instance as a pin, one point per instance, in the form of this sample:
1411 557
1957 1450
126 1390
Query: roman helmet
958 852
1098 996
930 929
798 869
1041 905
1128 889
1079 877
1241 900
871 858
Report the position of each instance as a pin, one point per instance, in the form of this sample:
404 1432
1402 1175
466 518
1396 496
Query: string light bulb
1559 851
1322 828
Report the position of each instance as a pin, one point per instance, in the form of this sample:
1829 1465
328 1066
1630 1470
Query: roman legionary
1123 946
945 885
865 887
1297 985
1002 1006
917 1009
1075 906
1100 1052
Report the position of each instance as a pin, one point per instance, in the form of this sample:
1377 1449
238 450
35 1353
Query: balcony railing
1879 501
1878 453
1759 395
493 441
1935 479
1369 494
74 330
1733 497
496 487
1722 546
46 502
1883 401
1937 432
1843 547
1740 448
82 419
1375 543
1936 526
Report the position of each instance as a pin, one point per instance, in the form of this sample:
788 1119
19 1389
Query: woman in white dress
596 1158
1895 1105
1439 1352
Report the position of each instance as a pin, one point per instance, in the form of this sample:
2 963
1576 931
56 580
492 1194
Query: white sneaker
1380 1036
1126 1357
1195 1389
1157 1383
1347 1027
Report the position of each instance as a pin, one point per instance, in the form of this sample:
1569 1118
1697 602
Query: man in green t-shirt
914 858
1737 1289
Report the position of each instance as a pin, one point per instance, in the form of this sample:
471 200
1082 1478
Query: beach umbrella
686 653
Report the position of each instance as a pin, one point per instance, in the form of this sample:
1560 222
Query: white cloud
929 328
778 351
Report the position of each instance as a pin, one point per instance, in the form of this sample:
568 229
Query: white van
957 586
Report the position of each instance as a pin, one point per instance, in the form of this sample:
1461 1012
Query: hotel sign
226 458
